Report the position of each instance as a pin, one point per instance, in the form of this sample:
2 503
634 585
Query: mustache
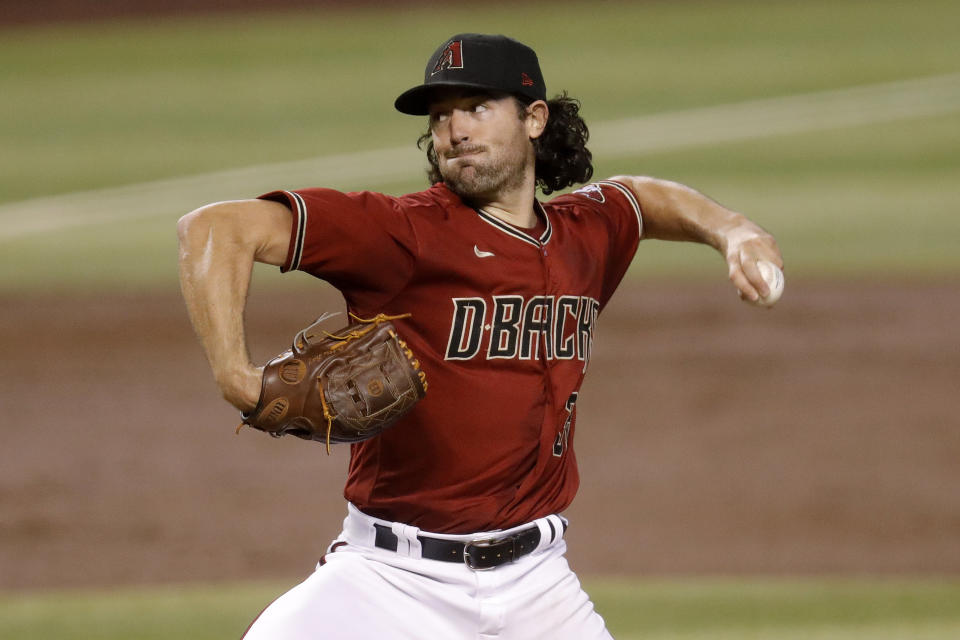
463 150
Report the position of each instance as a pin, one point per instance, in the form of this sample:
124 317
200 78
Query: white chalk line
802 113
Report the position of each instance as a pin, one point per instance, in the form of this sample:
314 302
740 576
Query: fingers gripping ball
773 276
341 386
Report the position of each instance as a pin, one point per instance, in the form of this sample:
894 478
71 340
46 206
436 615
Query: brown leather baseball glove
341 386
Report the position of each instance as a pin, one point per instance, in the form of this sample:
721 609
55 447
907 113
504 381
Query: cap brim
416 101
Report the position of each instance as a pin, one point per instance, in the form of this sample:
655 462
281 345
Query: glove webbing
353 335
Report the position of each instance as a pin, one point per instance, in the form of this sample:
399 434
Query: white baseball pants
361 592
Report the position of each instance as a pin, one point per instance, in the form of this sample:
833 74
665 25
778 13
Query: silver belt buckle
488 543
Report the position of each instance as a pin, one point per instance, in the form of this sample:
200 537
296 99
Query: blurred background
745 473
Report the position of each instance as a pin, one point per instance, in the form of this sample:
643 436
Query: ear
536 119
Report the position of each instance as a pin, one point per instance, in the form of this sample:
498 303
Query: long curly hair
562 157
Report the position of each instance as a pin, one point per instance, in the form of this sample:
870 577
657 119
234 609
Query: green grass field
104 105
649 609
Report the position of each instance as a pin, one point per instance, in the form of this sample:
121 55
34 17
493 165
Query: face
482 144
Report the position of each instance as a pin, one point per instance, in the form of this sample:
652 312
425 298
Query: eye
480 108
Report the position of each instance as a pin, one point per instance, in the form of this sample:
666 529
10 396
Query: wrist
241 388
732 235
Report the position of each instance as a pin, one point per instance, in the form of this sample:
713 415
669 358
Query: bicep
273 222
254 227
655 198
673 211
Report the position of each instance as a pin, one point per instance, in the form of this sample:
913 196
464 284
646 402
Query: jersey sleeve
619 209
361 243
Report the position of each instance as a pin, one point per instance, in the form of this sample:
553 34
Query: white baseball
773 276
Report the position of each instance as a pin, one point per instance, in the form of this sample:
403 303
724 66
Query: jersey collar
517 232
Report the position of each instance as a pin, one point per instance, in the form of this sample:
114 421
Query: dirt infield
822 436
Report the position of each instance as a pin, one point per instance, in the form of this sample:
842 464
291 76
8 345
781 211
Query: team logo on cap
450 58
526 80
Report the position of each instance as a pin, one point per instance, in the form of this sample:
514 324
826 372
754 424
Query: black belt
480 554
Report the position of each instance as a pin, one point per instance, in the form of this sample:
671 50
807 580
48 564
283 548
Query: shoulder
602 196
596 194
610 202
437 198
322 199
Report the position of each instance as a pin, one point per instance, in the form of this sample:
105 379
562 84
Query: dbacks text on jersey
512 326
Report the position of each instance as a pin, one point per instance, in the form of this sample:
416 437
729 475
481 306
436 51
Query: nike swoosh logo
482 254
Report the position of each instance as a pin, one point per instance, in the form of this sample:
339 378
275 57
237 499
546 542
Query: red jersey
502 324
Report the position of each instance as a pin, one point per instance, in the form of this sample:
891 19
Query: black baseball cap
477 61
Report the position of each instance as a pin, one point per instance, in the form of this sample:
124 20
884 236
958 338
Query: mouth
463 152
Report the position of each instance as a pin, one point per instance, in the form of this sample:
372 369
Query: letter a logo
450 58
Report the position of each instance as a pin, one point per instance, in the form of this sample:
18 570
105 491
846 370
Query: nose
459 126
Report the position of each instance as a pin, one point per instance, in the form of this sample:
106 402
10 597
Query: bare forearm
215 270
672 211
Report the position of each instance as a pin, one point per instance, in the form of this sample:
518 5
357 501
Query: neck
514 207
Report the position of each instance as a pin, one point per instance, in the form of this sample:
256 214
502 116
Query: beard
488 177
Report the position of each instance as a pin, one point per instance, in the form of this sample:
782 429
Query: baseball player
454 528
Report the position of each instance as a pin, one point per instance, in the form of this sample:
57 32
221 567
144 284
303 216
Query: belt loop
552 528
560 525
408 544
546 534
